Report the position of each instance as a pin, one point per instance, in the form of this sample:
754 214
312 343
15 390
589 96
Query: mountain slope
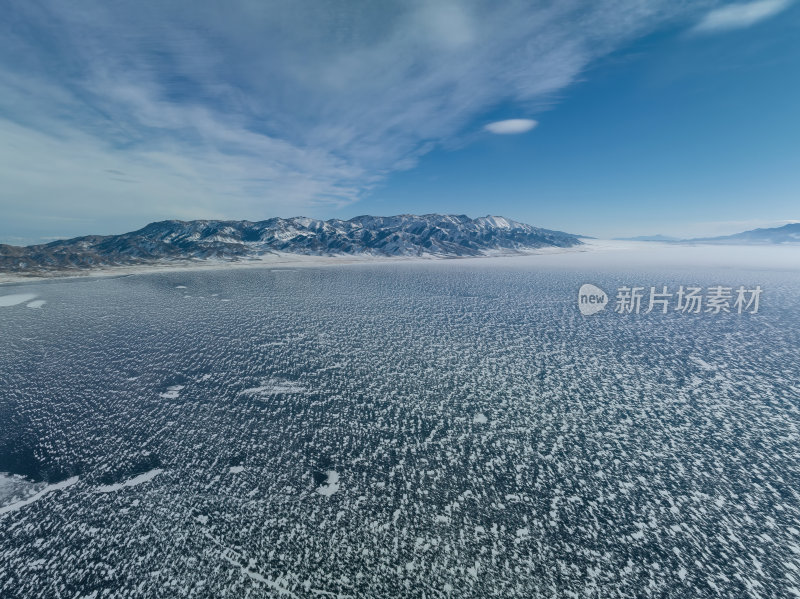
776 235
786 234
403 235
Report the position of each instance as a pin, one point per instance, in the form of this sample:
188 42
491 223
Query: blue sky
627 117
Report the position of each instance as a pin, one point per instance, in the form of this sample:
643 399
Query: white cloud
739 16
511 126
266 108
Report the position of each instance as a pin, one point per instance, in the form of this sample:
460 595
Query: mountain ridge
789 233
444 235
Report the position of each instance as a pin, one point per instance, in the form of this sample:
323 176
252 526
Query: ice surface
621 455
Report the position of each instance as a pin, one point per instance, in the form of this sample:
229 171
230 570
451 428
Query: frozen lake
405 429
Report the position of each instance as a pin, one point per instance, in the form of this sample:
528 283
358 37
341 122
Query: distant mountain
172 240
786 234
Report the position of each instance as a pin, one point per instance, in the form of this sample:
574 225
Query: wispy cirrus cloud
740 16
113 115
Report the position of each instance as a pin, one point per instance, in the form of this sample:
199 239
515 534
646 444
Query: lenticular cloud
511 126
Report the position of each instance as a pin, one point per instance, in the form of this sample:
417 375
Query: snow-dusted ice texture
407 429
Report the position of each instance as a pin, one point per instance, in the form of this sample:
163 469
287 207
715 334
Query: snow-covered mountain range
403 235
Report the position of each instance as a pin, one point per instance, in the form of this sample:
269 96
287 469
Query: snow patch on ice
172 392
702 363
331 485
480 419
251 572
14 488
16 298
275 386
37 303
132 482
49 488
442 519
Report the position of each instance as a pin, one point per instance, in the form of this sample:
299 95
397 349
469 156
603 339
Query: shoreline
591 254
276 260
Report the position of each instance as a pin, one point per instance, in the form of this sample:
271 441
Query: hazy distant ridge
404 235
769 236
786 234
